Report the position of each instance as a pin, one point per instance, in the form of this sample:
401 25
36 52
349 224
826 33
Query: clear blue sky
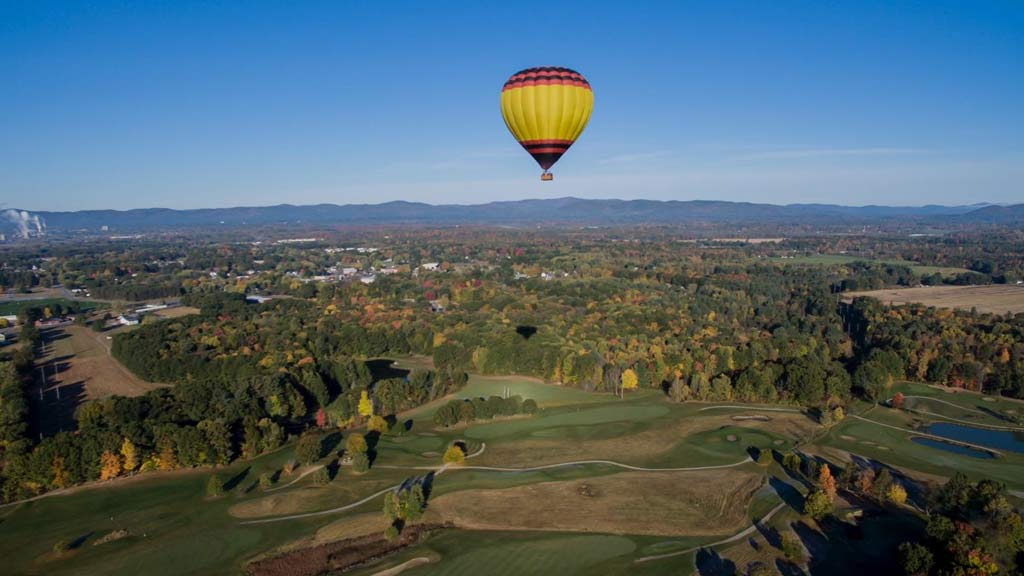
203 104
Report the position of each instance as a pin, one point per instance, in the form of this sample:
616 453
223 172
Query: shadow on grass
236 479
80 540
790 495
710 563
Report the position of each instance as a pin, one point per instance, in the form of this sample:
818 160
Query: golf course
591 483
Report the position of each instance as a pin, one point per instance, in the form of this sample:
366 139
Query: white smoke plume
26 223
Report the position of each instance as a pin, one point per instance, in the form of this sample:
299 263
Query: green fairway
562 418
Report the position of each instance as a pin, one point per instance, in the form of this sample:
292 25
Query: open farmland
996 298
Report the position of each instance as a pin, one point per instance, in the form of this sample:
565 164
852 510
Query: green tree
309 448
817 505
215 487
916 559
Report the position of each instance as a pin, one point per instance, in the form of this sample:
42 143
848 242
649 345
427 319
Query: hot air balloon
546 109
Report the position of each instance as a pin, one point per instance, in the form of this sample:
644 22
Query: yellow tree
129 456
827 482
454 455
110 465
896 494
629 379
365 405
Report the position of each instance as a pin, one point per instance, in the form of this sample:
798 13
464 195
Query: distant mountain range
559 210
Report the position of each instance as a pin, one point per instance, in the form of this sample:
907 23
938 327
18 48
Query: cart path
931 436
747 532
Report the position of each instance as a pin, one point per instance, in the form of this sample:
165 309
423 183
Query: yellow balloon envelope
546 110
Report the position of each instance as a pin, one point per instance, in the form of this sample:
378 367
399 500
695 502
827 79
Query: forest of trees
606 311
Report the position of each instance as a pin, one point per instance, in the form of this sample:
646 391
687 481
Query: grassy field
83 358
837 259
996 298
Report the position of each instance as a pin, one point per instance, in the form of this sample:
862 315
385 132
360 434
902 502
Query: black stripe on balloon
546 159
535 78
548 69
533 147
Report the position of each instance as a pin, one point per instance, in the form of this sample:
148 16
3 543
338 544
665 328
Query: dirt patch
711 502
848 438
731 438
431 454
111 536
757 417
337 556
176 312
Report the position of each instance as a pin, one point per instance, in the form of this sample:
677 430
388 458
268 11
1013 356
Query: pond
955 448
997 439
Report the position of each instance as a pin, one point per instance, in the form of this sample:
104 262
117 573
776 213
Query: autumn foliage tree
629 379
365 405
454 455
110 465
827 482
355 444
898 400
129 456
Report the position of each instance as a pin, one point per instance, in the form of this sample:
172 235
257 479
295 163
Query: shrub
321 477
266 481
529 406
360 462
764 456
61 546
391 533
